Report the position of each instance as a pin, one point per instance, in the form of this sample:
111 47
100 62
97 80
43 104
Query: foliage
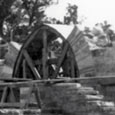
35 9
71 16
106 28
24 15
87 29
52 21
4 11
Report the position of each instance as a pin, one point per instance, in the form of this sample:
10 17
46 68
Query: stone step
99 100
65 100
94 97
106 104
52 111
87 90
20 111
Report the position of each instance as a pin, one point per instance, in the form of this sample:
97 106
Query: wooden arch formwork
53 51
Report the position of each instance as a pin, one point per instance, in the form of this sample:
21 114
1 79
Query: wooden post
44 54
17 65
11 96
31 65
33 89
72 65
4 94
37 96
8 95
24 68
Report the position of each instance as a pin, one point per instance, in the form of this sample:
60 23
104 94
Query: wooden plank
4 94
80 49
74 32
72 66
61 59
37 95
24 69
84 48
31 37
10 105
11 97
44 58
76 38
8 95
31 65
80 45
32 90
16 66
14 79
87 70
107 80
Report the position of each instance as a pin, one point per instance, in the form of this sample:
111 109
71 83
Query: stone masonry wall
67 99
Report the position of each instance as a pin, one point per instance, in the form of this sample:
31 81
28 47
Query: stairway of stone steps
76 99
72 99
94 97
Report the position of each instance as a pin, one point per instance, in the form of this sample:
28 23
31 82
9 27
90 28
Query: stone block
20 112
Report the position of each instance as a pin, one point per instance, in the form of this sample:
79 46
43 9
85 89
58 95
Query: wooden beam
18 61
104 80
10 105
4 94
72 66
37 96
14 79
33 89
74 32
24 69
31 65
30 38
8 95
44 58
76 38
16 67
11 96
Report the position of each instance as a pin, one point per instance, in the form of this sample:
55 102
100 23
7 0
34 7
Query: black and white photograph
57 57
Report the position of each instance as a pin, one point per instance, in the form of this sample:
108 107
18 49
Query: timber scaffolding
21 96
46 77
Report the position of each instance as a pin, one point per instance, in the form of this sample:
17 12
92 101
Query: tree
4 12
35 9
87 29
106 28
71 16
52 21
26 14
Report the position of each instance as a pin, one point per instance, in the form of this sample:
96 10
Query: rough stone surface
19 112
68 99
